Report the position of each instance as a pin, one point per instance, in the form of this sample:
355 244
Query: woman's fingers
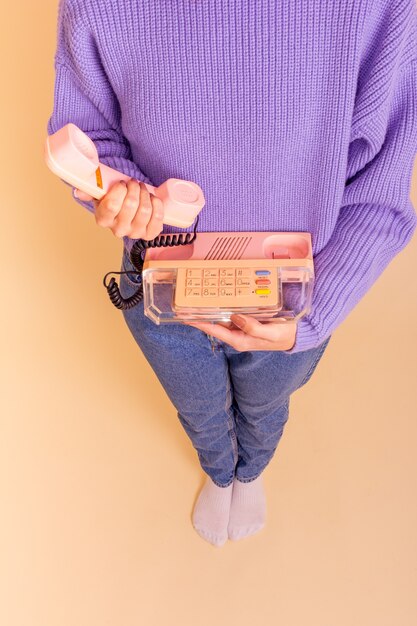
82 195
122 224
145 224
255 328
275 335
234 338
128 209
110 205
156 223
143 214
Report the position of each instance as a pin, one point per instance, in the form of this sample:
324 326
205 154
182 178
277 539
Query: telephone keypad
223 286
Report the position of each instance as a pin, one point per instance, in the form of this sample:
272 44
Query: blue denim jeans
233 405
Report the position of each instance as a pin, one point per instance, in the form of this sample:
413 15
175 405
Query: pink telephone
72 156
269 275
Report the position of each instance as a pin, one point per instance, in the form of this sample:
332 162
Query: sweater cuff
306 337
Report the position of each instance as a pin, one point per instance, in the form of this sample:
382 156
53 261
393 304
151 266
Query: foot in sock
211 512
248 509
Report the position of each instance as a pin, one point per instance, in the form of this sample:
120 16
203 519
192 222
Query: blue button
262 272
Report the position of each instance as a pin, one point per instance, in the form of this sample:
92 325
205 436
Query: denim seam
219 485
249 480
230 419
214 344
314 364
272 454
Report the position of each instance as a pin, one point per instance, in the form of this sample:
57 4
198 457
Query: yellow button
261 292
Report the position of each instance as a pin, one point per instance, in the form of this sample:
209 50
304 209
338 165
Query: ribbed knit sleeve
83 94
376 219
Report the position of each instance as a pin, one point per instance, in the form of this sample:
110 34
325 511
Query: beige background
97 477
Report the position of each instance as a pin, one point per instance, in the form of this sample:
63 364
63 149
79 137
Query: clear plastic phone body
268 275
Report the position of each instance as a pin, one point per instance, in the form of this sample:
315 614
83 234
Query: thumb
81 195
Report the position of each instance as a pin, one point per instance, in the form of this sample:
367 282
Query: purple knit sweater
292 115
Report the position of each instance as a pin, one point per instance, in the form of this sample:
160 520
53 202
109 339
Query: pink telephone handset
72 155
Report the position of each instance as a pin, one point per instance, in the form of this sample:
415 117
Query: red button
263 281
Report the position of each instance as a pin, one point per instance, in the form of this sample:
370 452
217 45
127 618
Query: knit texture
297 115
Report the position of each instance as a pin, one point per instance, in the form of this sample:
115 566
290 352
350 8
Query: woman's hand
253 335
128 209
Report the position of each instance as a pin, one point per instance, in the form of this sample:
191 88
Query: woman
291 116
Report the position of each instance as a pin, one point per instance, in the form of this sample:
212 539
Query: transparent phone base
168 299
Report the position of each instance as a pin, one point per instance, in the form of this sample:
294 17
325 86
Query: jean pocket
316 359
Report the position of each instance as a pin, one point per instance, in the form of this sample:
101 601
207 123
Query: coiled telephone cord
164 240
